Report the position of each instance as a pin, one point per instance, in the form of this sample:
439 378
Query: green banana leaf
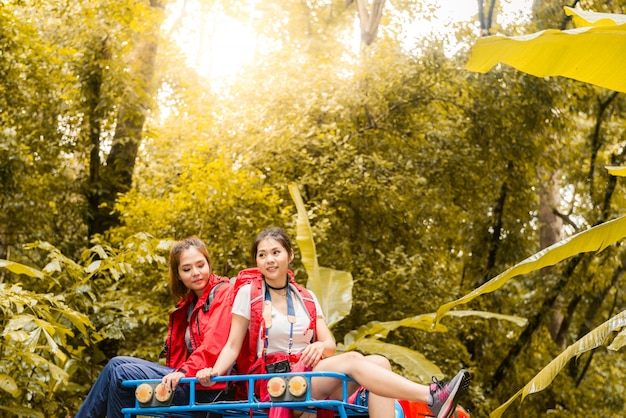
616 171
592 340
594 52
333 288
592 240
411 361
304 238
422 322
367 339
582 18
619 341
380 330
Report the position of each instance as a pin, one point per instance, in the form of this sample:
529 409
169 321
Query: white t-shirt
278 336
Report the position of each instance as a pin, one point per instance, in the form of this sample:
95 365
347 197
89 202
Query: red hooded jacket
209 329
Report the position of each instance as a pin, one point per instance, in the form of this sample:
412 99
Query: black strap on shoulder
209 300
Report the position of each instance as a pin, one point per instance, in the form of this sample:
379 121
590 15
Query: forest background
421 179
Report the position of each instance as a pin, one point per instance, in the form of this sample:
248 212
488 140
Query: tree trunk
550 225
95 113
485 19
369 21
495 236
117 174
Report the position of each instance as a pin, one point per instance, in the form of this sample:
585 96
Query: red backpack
248 354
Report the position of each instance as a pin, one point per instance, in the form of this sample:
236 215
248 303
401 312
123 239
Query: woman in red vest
288 333
198 330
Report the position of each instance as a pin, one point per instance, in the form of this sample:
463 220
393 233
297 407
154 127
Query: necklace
277 288
284 293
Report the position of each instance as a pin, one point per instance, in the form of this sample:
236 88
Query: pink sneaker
444 396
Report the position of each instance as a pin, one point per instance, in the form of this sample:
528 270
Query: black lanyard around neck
291 316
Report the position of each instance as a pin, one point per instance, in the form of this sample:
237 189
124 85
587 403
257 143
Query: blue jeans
107 396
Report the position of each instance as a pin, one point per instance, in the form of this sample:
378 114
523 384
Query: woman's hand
171 380
204 376
312 354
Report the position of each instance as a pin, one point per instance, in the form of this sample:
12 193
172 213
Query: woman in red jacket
198 330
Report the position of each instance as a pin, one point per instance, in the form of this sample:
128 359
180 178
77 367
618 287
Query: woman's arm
228 356
324 346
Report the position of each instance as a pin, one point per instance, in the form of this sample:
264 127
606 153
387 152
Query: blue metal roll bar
250 407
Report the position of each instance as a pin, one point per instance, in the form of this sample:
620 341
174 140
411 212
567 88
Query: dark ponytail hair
276 233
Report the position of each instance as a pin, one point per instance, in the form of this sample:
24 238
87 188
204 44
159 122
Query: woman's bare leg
380 406
377 377
378 380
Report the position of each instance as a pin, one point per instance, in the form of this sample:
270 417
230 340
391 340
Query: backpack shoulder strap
309 304
256 314
251 276
209 300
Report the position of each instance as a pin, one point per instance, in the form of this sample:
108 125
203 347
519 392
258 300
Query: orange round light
276 386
